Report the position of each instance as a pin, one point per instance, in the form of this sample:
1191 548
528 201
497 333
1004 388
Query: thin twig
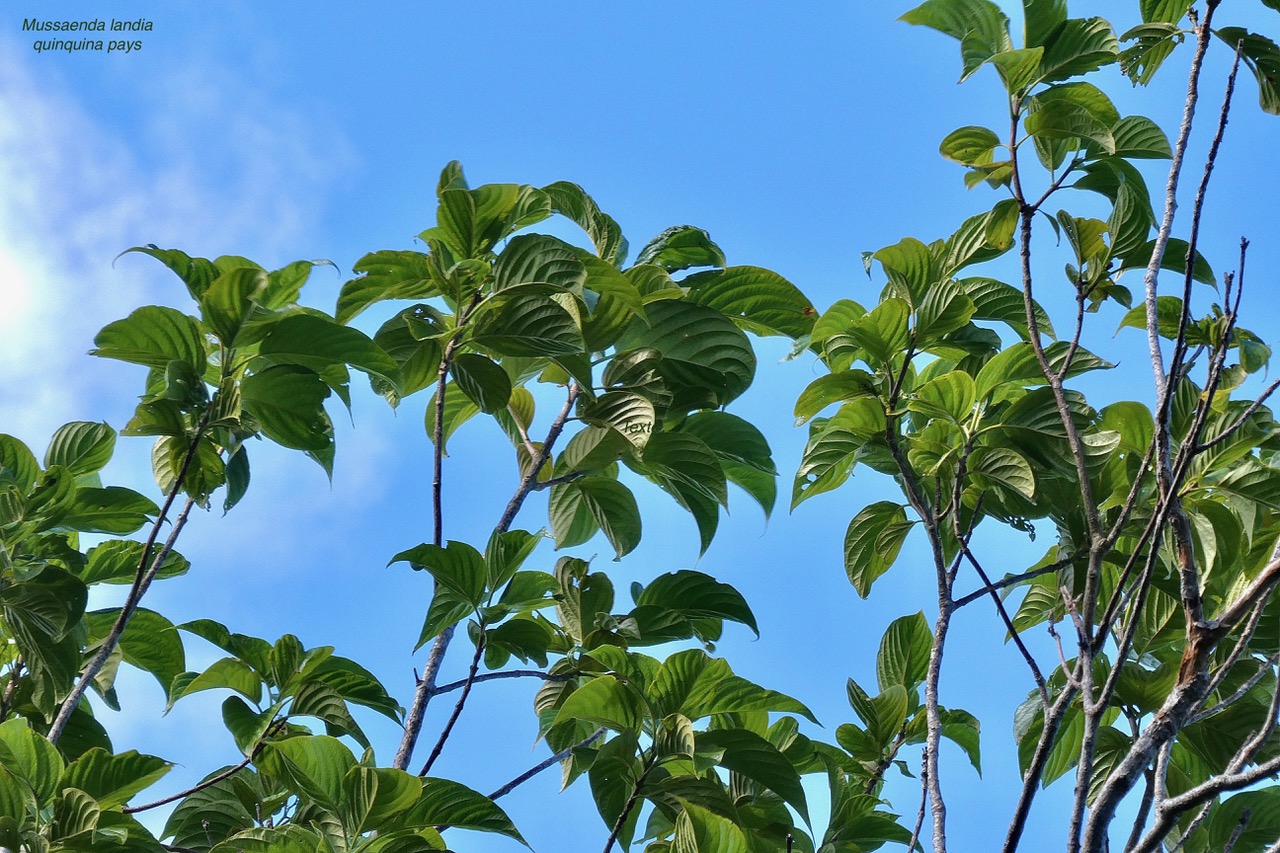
457 707
1036 675
543 765
1011 580
630 804
924 803
506 673
426 686
139 588
207 783
1171 206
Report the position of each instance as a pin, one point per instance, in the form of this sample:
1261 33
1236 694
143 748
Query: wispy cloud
212 166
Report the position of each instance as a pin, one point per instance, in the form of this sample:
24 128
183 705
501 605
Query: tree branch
543 765
207 783
426 687
1036 675
506 673
142 581
1171 207
457 707
1011 580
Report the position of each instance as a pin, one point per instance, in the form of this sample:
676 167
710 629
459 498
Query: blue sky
798 137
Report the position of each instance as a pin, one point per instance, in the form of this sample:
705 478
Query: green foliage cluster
955 383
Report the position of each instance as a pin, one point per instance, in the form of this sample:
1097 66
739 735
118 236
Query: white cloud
227 171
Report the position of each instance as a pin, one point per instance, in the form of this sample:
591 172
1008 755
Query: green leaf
1140 138
246 725
458 409
18 464
603 701
447 803
1003 467
950 396
1262 56
697 596
1175 259
618 302
1017 364
1152 43
196 273
418 359
970 146
289 838
833 448
316 764
153 336
1041 18
872 543
237 472
758 300
909 266
570 200
696 685
1065 119
529 324
75 816
385 275
1019 70
374 797
611 507
699 347
288 403
216 810
30 758
680 247
964 730
317 342
903 658
743 452
116 561
539 259
1170 11
151 643
631 415
483 381
457 566
229 673
356 684
983 30
752 756
833 388
884 331
81 447
113 779
230 299
688 470
996 300
1079 46
698 830
113 510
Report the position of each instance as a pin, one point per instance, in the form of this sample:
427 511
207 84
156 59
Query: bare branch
207 783
1171 207
543 765
426 687
924 803
506 673
1031 779
1036 675
457 707
146 573
1011 580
